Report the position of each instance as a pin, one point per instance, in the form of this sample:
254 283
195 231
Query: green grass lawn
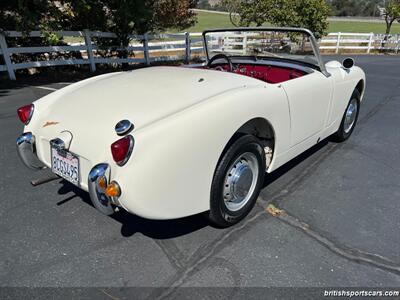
212 20
344 26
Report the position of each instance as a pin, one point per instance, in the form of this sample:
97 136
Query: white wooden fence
363 42
163 47
180 46
242 43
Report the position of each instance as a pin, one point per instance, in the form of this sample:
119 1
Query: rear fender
171 168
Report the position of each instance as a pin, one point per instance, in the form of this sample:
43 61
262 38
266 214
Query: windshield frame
320 66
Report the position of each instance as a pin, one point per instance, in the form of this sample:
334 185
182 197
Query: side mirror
348 63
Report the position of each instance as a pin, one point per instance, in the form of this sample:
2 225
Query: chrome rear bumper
27 151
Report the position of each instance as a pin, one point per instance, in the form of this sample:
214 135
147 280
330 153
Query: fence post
146 49
89 49
6 55
244 45
338 42
187 47
398 43
371 37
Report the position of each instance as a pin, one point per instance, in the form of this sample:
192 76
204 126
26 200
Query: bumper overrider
98 179
27 151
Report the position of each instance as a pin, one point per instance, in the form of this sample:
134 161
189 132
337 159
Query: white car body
184 118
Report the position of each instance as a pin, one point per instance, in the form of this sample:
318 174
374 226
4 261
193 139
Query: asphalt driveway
341 225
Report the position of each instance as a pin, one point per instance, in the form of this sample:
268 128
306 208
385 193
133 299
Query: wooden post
6 55
371 38
187 44
146 49
338 42
244 45
89 49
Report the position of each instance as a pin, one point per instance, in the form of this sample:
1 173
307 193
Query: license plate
65 164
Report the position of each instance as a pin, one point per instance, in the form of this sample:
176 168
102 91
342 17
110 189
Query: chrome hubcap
350 117
240 181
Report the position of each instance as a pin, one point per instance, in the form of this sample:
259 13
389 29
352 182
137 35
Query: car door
309 101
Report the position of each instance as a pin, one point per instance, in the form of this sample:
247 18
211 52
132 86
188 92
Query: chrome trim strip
30 114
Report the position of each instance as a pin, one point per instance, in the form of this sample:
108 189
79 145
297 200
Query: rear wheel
237 181
350 118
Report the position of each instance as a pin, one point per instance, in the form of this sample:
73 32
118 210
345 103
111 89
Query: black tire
220 215
341 135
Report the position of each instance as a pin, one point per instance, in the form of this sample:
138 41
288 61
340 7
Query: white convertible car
169 142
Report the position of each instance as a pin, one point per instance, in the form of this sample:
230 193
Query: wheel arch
360 87
259 127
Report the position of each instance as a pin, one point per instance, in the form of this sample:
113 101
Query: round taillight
25 113
121 150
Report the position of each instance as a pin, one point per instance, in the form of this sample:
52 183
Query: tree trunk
389 23
231 18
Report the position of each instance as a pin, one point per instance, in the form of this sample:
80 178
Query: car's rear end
86 132
70 136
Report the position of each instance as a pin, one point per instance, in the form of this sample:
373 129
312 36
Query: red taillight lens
121 150
25 113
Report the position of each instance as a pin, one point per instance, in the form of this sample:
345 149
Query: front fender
171 168
345 81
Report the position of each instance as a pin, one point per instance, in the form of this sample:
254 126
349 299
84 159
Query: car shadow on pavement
270 178
131 224
166 229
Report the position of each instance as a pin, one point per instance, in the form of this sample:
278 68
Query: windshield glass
293 45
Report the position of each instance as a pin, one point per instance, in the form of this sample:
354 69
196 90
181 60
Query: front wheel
350 118
237 181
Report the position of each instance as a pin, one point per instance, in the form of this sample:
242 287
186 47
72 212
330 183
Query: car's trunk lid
142 96
90 110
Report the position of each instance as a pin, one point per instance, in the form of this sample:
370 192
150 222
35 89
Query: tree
126 17
123 17
371 9
311 14
85 14
233 7
259 12
344 8
204 4
173 14
25 15
391 14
